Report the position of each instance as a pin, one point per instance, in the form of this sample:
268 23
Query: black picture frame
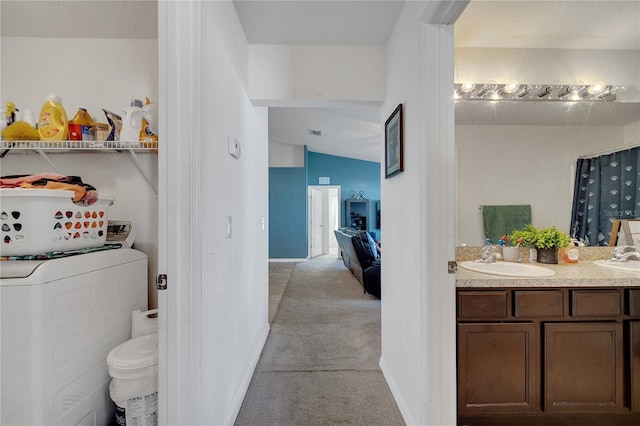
393 147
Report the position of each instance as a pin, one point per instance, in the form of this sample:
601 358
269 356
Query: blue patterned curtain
606 188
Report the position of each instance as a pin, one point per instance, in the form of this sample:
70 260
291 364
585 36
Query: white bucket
133 367
144 322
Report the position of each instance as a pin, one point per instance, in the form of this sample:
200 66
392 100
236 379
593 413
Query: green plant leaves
541 238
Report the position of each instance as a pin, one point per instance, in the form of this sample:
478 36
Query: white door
316 222
334 219
324 218
179 188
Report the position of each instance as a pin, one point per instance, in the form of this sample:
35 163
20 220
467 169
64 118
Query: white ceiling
352 132
601 24
318 22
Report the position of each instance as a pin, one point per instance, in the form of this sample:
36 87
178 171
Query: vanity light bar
534 92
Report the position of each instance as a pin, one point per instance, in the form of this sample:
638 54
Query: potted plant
546 241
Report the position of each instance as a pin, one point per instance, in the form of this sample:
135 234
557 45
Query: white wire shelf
53 146
49 147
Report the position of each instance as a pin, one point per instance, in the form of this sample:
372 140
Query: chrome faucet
489 254
624 253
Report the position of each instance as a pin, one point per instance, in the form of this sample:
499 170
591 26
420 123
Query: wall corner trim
246 379
395 391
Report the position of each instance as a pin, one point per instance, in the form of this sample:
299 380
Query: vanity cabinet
633 347
498 366
583 367
548 352
634 364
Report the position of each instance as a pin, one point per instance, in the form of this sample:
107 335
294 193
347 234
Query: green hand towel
502 220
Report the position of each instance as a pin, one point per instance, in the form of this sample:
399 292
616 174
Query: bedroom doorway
324 218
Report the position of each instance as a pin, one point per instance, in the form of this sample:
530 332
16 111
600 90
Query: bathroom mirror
526 153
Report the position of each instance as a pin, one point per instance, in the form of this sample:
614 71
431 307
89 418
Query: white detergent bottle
131 123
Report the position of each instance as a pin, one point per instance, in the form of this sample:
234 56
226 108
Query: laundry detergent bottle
79 126
53 124
131 123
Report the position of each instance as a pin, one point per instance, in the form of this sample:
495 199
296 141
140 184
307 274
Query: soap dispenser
131 123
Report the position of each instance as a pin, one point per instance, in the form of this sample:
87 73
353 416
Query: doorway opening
324 218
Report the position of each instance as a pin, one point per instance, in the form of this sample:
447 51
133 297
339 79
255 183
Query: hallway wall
234 270
288 233
287 213
352 175
286 73
403 330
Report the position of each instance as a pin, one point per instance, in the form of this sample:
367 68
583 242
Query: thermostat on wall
234 147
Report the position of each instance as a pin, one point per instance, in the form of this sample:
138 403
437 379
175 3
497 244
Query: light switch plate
229 226
233 147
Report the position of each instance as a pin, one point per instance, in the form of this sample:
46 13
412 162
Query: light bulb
545 92
533 88
617 89
467 87
575 92
597 88
511 87
576 88
490 86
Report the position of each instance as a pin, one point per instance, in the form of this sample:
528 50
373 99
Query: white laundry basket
133 367
36 221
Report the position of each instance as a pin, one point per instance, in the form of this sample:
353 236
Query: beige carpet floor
320 363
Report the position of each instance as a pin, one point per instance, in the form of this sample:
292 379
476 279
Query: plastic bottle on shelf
131 123
10 113
53 124
148 132
79 126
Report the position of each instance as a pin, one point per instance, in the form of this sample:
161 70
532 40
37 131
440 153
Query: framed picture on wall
393 163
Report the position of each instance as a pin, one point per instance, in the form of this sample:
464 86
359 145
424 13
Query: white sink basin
630 265
508 269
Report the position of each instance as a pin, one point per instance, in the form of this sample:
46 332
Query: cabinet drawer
596 303
538 303
634 303
483 304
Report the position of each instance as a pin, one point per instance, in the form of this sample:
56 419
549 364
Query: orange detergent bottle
53 124
79 126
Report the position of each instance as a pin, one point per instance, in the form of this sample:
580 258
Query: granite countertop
581 274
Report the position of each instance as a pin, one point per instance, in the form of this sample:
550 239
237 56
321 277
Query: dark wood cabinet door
583 367
498 368
634 363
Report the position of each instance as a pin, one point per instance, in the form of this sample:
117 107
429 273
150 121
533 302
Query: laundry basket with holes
35 221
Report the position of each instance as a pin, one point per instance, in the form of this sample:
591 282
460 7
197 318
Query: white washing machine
59 320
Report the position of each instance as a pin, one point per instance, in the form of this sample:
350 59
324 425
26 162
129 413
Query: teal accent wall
287 213
350 175
288 198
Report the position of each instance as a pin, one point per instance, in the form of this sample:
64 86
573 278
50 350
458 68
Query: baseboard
246 380
302 259
397 395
